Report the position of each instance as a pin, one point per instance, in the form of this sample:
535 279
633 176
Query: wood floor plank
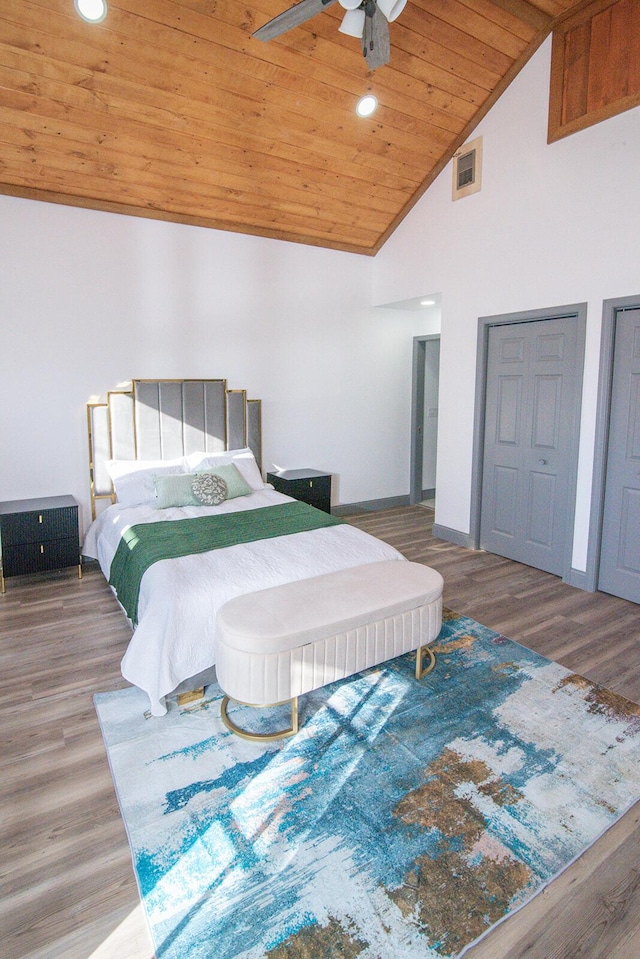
68 886
591 909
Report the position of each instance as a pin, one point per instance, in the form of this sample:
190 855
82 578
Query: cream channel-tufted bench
278 643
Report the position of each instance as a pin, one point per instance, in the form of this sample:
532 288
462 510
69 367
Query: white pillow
134 480
243 459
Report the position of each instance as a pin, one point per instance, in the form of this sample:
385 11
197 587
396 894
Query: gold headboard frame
166 419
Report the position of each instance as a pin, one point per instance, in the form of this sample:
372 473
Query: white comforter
175 638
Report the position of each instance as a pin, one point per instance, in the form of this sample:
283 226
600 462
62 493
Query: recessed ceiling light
93 11
367 105
427 302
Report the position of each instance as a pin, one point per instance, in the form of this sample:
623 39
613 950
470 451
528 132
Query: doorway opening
424 419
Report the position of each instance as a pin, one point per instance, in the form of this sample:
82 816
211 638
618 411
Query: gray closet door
530 442
620 549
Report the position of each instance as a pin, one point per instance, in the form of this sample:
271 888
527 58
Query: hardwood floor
68 885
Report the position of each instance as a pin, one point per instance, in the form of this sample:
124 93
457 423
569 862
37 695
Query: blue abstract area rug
402 822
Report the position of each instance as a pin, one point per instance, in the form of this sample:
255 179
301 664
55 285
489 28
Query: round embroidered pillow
209 489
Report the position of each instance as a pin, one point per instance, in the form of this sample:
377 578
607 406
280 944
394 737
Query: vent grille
467 168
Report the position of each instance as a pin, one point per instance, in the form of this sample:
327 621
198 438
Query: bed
175 544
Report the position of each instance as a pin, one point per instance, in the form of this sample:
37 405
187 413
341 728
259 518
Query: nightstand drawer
316 492
38 526
40 557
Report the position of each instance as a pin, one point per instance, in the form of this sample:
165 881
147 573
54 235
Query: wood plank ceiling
171 109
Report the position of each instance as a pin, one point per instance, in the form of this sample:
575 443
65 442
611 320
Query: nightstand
38 535
310 486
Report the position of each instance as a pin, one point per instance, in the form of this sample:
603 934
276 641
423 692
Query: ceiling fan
368 20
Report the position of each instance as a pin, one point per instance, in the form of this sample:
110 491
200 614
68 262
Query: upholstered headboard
166 419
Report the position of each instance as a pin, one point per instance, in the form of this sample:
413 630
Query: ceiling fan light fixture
350 4
353 23
93 11
366 105
391 8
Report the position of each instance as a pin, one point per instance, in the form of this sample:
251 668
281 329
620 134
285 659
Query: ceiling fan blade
293 17
376 48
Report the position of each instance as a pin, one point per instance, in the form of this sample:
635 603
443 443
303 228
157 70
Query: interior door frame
417 415
577 311
610 310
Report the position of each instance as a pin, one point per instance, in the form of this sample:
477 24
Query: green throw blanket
142 545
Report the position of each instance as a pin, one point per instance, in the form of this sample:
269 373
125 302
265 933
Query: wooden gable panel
595 70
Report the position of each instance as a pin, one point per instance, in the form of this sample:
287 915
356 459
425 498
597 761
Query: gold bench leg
260 737
420 670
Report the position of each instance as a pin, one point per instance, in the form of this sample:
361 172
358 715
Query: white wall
552 225
89 300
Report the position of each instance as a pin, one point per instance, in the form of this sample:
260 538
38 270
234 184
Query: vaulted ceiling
171 109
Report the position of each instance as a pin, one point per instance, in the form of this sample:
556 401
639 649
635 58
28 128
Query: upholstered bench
278 643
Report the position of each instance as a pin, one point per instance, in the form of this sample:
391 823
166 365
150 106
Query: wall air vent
467 169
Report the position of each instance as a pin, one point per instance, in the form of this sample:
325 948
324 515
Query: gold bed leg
190 696
260 737
420 671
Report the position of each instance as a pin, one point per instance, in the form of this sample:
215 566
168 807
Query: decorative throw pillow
236 483
209 489
175 490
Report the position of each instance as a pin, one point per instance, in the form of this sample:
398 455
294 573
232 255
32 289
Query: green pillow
236 483
175 490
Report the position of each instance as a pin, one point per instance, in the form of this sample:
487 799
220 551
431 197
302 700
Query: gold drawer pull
42 549
40 518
